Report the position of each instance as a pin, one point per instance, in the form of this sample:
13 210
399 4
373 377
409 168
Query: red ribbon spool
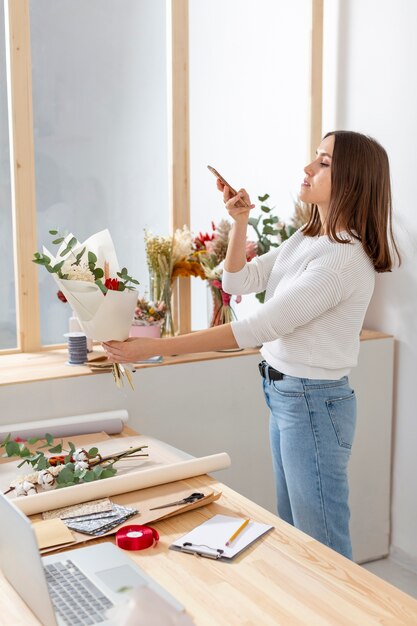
136 537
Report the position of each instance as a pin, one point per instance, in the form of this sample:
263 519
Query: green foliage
98 272
270 231
125 278
71 474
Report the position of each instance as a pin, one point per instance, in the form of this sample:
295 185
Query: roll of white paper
139 479
110 422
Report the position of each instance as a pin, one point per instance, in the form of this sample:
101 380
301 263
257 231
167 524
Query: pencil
237 532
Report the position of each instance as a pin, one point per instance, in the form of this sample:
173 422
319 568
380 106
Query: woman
318 286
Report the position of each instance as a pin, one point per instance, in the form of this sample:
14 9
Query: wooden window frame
23 160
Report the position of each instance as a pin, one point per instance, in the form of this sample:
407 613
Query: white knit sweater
317 293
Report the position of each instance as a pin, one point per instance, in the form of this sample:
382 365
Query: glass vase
160 289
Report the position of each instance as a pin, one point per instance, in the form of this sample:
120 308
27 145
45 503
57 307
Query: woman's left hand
132 350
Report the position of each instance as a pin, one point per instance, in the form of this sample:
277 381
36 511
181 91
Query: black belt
268 372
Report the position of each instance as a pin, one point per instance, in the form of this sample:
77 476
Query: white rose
80 455
46 479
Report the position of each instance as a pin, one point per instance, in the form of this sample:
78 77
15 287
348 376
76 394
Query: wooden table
286 578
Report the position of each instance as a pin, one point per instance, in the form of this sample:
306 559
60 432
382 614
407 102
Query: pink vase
152 330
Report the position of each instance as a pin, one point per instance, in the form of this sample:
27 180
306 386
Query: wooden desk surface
285 578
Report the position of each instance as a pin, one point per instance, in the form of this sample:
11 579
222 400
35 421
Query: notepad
209 539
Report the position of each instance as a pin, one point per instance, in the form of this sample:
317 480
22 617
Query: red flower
225 298
112 283
61 296
19 440
58 460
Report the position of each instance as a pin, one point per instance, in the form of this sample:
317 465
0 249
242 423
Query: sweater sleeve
315 291
253 277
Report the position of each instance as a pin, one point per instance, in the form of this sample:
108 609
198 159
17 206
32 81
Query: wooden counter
51 364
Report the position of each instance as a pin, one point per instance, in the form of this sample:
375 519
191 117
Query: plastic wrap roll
110 422
139 479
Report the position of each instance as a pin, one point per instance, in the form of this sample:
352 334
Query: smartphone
224 181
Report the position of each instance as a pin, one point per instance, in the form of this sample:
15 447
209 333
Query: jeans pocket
285 390
342 412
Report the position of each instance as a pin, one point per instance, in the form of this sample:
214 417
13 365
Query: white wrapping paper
102 317
164 465
110 422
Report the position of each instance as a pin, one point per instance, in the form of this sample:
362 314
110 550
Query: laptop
72 588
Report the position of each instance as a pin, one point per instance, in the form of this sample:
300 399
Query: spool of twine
77 348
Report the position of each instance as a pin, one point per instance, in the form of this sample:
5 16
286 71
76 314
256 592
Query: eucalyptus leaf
108 473
3 443
93 452
89 476
12 448
53 232
65 475
56 449
33 440
42 463
59 240
102 287
80 473
92 258
58 266
79 256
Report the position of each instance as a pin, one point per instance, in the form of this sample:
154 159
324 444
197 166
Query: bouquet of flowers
210 250
168 258
148 312
100 293
64 468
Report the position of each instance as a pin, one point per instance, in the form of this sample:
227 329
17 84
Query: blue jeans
312 425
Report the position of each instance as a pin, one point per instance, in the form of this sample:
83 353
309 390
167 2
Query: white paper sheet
164 465
110 422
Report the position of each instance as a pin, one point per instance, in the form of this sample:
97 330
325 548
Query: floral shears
191 498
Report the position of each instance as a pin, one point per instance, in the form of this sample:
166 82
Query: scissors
192 498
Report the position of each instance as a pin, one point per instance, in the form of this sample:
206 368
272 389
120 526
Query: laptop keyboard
75 598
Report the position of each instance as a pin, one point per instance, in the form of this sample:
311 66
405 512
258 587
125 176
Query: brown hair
360 198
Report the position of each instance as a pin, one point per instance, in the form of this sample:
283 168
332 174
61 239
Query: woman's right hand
234 205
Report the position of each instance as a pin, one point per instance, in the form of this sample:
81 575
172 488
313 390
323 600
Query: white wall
371 87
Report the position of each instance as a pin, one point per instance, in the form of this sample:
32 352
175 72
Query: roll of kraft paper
138 479
110 422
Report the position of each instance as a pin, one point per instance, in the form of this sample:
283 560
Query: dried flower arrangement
75 466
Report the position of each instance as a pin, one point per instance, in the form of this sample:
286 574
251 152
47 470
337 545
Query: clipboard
209 538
